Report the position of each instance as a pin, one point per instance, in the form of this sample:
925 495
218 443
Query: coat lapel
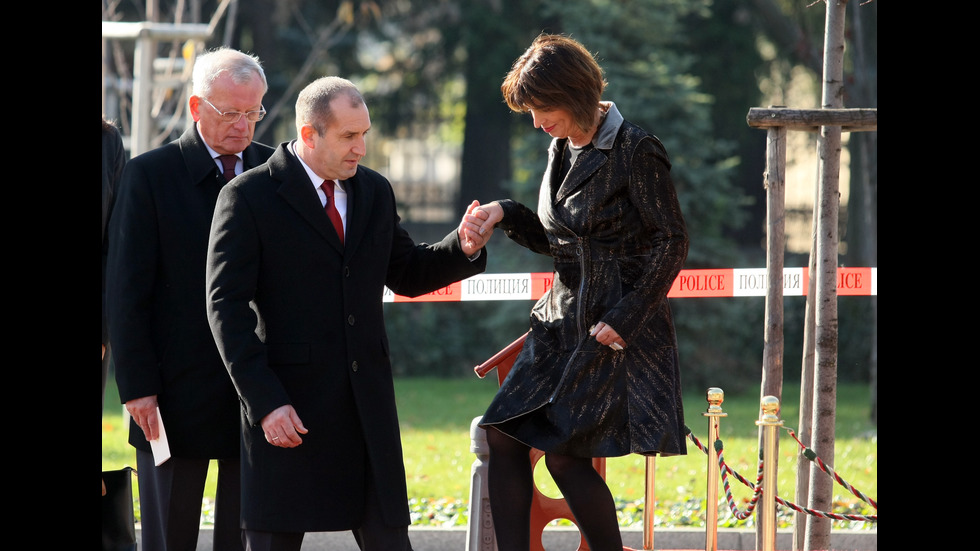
593 158
197 161
251 159
360 197
585 166
297 191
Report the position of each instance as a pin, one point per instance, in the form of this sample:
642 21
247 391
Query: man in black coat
113 160
295 304
163 350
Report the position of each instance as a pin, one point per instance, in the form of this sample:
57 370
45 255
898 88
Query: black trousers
373 534
170 503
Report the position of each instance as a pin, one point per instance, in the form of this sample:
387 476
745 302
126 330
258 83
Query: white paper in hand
160 446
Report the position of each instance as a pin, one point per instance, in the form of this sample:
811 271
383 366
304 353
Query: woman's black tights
511 482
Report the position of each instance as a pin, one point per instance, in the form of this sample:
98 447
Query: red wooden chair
544 509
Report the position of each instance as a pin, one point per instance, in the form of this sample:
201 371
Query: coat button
353 367
350 319
346 271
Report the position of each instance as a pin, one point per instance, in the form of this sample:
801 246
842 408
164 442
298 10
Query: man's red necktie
228 162
328 187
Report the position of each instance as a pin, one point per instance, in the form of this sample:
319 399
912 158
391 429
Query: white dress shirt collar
339 195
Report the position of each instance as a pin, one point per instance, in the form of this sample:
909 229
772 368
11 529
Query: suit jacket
158 323
298 319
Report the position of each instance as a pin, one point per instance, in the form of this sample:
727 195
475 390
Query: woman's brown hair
556 72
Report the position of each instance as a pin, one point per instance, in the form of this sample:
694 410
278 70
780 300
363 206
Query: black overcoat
158 324
298 319
617 237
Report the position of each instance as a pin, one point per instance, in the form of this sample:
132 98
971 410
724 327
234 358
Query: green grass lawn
435 416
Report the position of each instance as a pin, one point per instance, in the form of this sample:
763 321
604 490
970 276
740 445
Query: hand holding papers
160 446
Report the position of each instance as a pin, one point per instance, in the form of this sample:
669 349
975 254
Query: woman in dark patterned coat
598 374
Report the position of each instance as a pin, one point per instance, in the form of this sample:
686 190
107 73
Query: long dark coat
113 160
158 325
298 319
618 239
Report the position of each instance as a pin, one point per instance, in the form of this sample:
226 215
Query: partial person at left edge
113 160
163 350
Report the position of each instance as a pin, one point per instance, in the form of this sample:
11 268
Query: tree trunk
827 215
806 402
772 360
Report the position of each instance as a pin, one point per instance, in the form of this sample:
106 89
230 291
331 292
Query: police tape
732 282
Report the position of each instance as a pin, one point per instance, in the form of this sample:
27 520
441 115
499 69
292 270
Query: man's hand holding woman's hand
477 225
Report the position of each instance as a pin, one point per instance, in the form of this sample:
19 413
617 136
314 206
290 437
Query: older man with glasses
169 373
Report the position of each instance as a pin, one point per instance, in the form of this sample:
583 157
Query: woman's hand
490 214
605 334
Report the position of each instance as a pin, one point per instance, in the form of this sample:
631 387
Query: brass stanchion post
648 502
714 414
769 420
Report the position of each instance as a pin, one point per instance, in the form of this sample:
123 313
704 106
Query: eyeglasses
232 117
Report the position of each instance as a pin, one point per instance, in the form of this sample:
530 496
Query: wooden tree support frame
850 120
821 298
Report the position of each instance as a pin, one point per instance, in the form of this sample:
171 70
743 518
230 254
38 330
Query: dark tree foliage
687 71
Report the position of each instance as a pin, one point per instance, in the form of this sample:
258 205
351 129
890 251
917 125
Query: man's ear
194 105
306 133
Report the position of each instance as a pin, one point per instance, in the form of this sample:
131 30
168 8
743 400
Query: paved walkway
567 539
